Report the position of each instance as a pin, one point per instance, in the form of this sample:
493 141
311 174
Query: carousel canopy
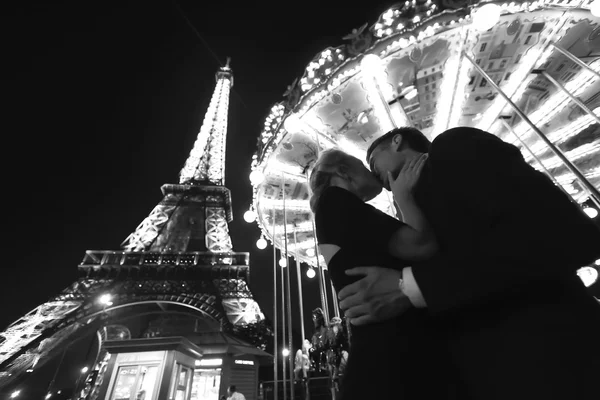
422 64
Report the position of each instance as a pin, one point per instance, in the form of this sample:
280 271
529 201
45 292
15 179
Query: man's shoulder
466 142
460 134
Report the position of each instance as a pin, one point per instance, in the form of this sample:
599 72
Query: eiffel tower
179 257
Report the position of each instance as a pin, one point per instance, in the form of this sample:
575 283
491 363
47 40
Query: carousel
528 72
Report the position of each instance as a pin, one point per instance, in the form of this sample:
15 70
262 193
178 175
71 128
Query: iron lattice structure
180 254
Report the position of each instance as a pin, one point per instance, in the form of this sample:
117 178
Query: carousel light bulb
310 273
256 177
250 216
370 64
261 243
84 370
486 17
411 93
285 352
282 262
591 212
105 299
595 8
292 123
588 275
310 252
15 394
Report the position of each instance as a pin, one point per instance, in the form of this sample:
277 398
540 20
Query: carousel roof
420 64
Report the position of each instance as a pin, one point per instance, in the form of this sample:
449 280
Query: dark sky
102 104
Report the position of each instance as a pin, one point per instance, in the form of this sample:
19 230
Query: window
427 97
135 382
518 59
427 88
507 76
433 85
560 67
477 61
483 82
180 382
483 46
490 65
502 63
528 39
426 80
471 80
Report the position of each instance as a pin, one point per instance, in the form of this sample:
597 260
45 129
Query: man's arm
513 226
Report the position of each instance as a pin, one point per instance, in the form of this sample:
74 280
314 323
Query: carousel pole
286 271
511 130
334 300
300 299
275 374
574 59
283 325
370 73
569 94
592 191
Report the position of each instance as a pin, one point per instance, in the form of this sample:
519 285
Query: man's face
383 159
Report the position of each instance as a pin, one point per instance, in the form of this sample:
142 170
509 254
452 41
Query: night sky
102 104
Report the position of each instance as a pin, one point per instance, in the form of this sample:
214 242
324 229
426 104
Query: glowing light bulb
370 64
588 275
282 262
48 395
292 123
310 273
486 17
411 93
310 252
15 394
285 352
595 8
597 262
256 177
84 370
250 216
591 212
105 299
261 243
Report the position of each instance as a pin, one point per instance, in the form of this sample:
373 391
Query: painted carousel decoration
527 71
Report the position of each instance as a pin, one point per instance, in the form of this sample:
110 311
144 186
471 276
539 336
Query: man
518 322
233 394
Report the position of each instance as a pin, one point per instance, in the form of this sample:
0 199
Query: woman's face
365 182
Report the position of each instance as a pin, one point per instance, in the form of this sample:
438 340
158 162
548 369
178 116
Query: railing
104 257
313 388
155 265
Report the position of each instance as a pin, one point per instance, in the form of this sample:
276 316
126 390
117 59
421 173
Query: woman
398 358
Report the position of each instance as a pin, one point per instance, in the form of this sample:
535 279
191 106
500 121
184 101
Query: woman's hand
408 177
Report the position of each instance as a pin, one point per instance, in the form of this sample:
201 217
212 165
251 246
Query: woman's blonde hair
331 162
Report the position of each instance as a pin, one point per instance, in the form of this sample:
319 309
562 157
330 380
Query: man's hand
376 297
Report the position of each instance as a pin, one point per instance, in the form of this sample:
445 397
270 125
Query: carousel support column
288 290
569 94
275 374
574 59
592 191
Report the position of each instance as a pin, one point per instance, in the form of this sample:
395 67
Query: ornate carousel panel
525 71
